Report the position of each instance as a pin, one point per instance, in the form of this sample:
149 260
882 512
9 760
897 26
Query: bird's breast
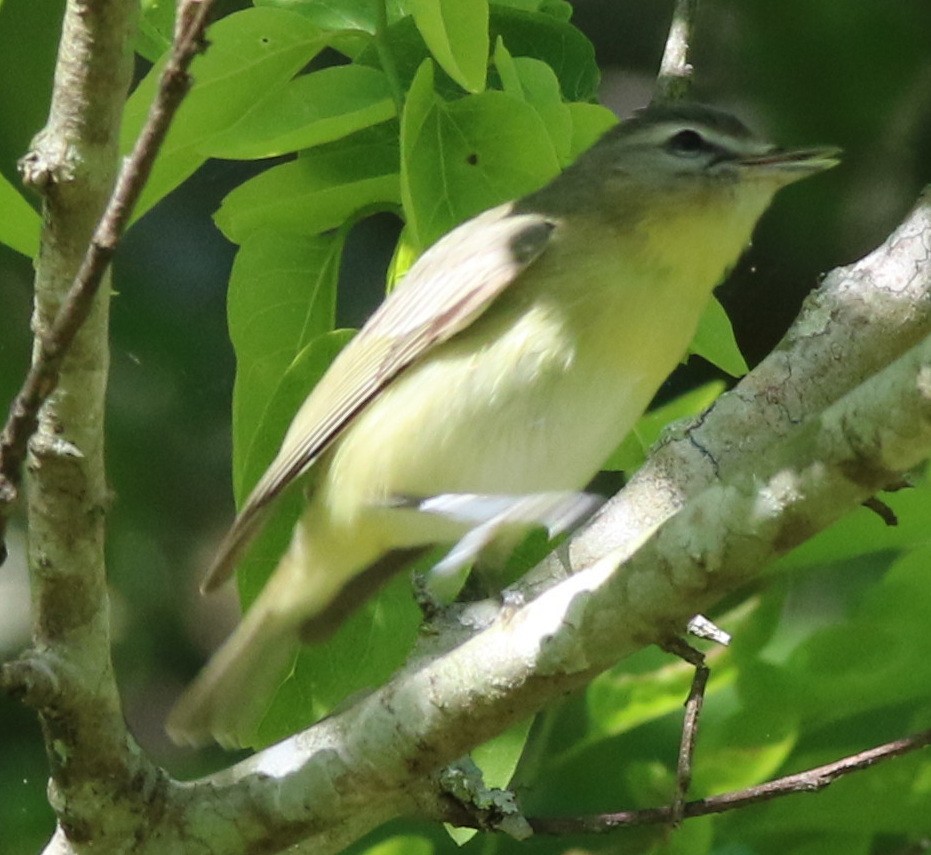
533 396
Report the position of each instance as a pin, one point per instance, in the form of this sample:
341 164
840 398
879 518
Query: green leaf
714 340
729 761
309 110
559 9
252 55
534 34
332 15
459 158
636 445
403 258
282 297
19 223
524 5
878 656
349 23
498 757
557 43
342 15
630 695
534 82
589 123
156 28
318 191
456 31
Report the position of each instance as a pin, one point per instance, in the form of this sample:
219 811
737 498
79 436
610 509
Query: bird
492 383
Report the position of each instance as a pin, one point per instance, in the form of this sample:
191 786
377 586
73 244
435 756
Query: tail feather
228 698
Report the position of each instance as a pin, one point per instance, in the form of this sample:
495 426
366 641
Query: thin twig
693 707
52 348
675 73
809 781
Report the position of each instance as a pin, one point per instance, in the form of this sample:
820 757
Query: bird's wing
448 287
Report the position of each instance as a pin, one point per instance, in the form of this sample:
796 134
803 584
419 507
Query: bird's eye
687 143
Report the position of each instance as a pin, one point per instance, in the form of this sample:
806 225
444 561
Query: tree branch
98 773
448 702
675 73
801 441
862 318
52 165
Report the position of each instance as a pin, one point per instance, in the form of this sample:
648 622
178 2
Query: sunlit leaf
282 297
319 190
459 158
252 56
309 110
533 81
456 31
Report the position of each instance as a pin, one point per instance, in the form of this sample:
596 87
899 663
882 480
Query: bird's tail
228 698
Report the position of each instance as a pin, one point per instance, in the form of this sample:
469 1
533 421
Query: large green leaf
309 110
459 158
252 56
282 297
332 15
456 31
877 655
535 82
402 845
627 697
319 190
351 23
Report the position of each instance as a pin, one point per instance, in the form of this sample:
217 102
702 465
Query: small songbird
493 382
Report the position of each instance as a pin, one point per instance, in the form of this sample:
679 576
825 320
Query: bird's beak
788 165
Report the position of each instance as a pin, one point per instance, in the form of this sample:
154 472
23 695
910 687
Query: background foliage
829 658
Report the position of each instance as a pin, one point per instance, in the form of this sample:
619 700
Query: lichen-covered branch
73 163
101 786
323 782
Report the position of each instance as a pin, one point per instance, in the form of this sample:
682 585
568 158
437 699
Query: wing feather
444 292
